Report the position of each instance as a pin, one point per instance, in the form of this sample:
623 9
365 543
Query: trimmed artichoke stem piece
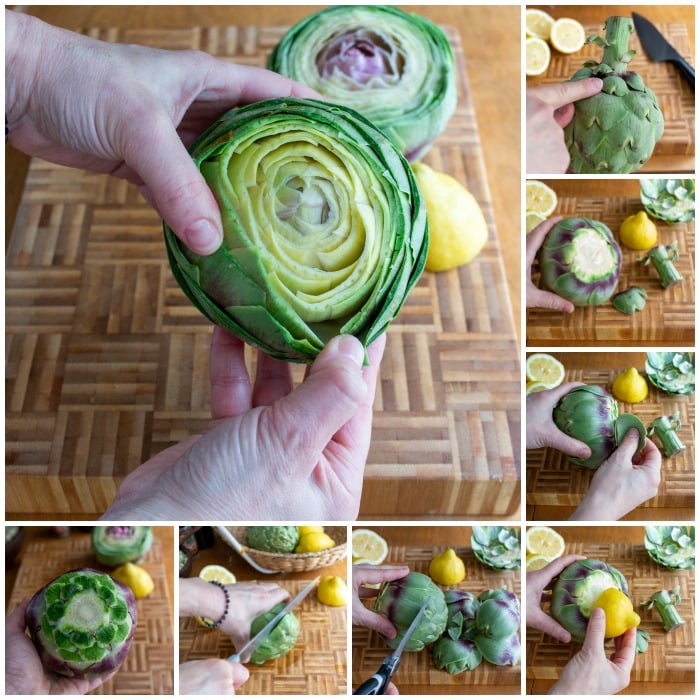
665 603
662 258
666 429
616 130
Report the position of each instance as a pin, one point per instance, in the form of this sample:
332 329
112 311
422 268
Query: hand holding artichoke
325 230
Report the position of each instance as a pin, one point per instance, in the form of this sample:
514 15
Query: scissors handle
376 685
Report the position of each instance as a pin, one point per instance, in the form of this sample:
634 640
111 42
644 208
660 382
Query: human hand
24 672
271 453
534 296
590 672
211 677
622 482
246 601
549 108
130 111
368 573
541 431
537 582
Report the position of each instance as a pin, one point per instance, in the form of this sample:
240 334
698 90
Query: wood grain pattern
417 671
317 665
551 480
669 315
148 668
107 360
670 657
676 99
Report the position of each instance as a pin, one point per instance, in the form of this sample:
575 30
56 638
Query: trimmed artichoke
672 372
455 655
616 130
394 67
576 590
588 413
580 260
325 230
281 639
273 538
118 544
82 623
669 200
399 601
672 546
496 546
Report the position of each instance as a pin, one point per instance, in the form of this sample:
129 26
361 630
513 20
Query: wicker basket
295 562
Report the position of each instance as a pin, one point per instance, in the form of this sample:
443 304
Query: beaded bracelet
211 623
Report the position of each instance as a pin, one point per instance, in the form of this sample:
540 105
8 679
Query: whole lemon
619 612
630 386
458 230
314 542
447 568
332 590
638 232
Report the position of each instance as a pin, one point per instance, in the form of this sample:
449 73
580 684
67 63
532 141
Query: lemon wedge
536 562
567 35
619 612
538 23
545 369
544 541
540 198
537 56
368 546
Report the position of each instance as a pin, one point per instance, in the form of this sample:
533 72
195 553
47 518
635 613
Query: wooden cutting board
670 657
668 319
552 480
417 668
676 99
148 668
107 360
317 665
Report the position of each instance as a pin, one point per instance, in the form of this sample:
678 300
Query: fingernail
203 237
348 346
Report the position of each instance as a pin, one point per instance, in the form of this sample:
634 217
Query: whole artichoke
82 623
281 639
616 130
399 601
580 260
325 230
588 413
455 655
273 538
394 67
576 590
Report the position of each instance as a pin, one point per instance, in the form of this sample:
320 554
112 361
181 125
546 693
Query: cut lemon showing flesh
538 23
369 546
540 198
537 56
567 35
534 387
545 369
544 541
536 562
532 220
215 572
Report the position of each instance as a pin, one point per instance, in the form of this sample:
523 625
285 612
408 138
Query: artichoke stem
666 428
618 31
662 257
665 603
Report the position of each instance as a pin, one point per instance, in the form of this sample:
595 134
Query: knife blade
659 49
246 651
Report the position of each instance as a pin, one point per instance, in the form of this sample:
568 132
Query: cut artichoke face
592 257
394 67
325 231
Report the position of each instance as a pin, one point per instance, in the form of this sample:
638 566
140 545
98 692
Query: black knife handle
687 71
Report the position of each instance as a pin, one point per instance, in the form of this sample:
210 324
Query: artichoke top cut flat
325 229
396 68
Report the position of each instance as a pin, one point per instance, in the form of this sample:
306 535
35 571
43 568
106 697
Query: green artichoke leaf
626 422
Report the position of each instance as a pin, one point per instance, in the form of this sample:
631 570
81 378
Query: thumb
629 442
595 632
239 674
307 418
542 299
574 90
175 185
